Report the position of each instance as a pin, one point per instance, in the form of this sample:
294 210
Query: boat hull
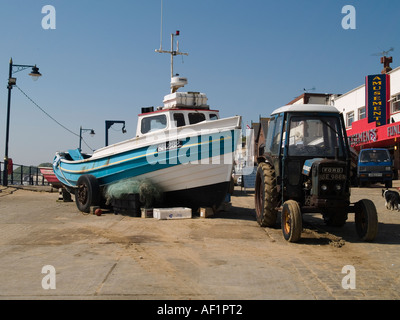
191 169
198 197
50 176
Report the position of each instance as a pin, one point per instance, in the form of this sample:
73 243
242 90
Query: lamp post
92 133
109 123
14 68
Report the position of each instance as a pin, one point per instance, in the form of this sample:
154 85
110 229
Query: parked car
375 165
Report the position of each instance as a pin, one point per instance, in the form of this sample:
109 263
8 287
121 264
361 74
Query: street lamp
109 123
35 74
92 133
14 68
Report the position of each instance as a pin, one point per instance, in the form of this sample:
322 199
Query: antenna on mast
161 28
307 90
176 82
386 61
173 53
383 53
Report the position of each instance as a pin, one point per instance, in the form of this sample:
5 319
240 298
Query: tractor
306 168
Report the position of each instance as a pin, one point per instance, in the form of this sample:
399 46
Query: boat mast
172 52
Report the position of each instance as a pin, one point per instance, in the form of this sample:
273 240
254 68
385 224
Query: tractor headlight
338 187
324 187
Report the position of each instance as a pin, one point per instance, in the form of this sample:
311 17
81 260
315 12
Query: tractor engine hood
308 165
329 163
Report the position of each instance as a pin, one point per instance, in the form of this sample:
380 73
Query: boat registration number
169 145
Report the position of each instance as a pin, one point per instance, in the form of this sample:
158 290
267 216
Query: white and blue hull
184 163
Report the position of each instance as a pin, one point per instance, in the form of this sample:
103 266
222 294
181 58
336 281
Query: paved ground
225 257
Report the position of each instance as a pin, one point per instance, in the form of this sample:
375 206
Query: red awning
368 135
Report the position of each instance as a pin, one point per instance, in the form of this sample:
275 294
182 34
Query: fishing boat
183 147
50 176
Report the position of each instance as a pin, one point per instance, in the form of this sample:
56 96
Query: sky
249 56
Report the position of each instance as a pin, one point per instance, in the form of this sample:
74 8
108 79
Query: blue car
375 166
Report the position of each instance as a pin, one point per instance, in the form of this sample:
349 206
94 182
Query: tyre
389 184
291 221
87 193
366 220
266 195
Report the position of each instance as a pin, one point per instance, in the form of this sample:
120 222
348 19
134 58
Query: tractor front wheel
291 221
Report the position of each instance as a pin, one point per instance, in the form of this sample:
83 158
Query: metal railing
23 175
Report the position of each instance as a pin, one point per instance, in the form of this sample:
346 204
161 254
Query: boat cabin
180 109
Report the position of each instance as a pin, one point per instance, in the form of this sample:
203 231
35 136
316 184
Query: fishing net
148 191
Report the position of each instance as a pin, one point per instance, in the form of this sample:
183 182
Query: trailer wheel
291 221
266 195
366 219
87 193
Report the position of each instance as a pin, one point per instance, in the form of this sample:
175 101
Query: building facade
313 98
372 114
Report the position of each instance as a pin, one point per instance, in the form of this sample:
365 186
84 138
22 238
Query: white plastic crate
172 213
185 99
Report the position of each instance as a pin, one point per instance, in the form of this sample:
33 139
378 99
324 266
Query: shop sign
363 137
377 96
393 130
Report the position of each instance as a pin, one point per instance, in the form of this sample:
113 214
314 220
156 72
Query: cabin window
375 156
179 119
153 123
314 137
213 116
196 118
276 138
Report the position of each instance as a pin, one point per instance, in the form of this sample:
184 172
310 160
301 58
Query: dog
392 199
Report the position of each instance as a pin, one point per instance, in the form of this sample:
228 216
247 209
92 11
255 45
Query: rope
48 115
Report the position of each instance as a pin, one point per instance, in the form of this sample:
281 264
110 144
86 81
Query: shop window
396 103
361 113
349 118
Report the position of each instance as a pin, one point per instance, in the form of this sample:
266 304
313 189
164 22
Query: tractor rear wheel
266 195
